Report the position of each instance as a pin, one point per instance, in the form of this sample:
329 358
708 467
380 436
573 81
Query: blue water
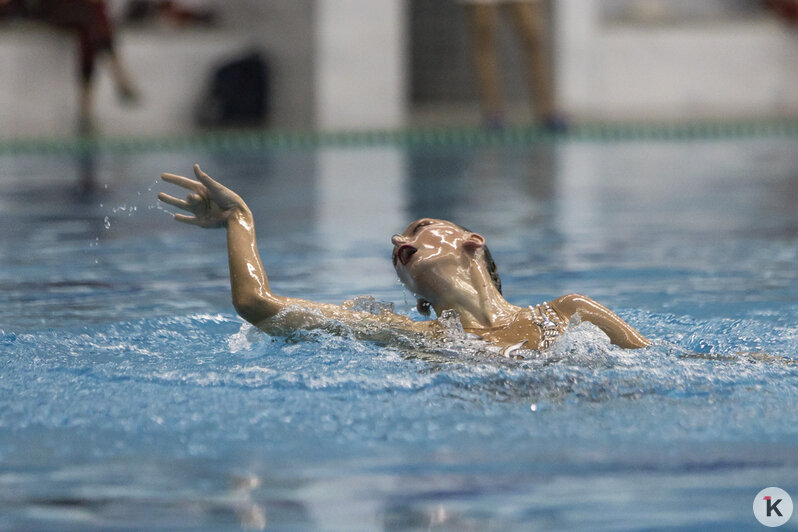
132 396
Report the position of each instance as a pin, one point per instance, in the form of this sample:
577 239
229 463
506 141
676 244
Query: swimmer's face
429 252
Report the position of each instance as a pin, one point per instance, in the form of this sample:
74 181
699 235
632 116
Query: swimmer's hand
211 204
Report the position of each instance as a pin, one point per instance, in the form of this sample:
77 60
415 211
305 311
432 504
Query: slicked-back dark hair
491 264
492 270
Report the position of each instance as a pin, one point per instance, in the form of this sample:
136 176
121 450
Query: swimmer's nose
398 240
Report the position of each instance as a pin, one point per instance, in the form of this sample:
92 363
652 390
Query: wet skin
435 259
445 264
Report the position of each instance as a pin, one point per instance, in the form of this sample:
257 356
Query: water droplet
107 223
533 407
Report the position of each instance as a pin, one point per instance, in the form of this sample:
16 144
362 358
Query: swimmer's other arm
582 307
214 205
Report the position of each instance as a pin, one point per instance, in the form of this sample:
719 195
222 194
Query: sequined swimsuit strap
549 322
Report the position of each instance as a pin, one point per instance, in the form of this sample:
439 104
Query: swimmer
448 268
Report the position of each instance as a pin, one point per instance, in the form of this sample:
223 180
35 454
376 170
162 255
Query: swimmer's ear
473 242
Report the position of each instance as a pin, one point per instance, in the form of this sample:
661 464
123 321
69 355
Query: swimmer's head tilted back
430 253
444 264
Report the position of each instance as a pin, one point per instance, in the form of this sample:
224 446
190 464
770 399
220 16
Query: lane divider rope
454 137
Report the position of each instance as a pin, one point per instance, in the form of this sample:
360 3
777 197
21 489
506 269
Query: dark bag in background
238 94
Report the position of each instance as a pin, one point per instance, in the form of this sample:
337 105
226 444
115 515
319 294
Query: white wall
335 64
342 64
33 100
38 72
735 68
360 64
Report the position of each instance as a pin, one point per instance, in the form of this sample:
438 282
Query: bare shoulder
570 304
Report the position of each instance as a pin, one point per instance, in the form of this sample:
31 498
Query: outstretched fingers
208 181
207 200
181 181
193 220
175 202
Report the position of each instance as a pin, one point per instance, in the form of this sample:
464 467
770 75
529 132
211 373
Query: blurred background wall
170 64
675 59
622 59
342 64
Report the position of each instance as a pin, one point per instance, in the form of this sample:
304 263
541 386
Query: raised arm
214 205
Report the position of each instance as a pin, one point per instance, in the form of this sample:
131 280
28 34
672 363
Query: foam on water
131 394
208 389
217 351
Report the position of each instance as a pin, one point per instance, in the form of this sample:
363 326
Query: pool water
132 396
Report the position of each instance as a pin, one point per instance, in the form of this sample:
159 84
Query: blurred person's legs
530 20
89 20
482 22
